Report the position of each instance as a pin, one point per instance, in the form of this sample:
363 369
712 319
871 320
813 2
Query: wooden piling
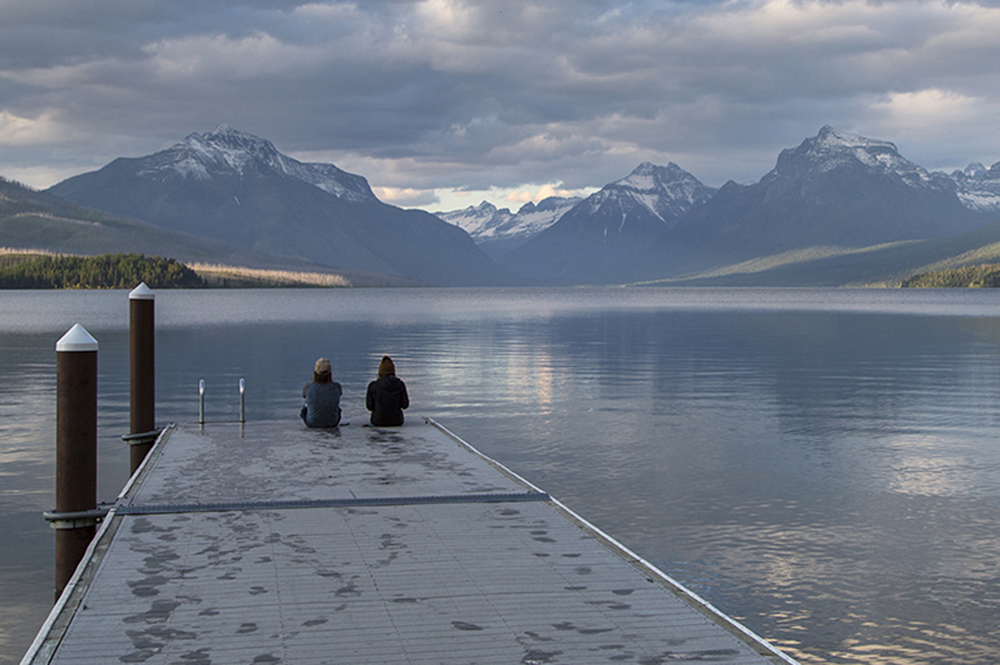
75 516
142 380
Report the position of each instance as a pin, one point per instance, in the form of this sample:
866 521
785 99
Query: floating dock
271 543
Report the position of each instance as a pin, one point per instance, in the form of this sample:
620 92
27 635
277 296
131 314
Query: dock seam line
166 509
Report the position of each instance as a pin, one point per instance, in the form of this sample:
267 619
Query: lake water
823 465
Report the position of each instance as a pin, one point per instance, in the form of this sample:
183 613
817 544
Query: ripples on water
820 464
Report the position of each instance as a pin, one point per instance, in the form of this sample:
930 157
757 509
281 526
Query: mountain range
832 195
833 190
837 209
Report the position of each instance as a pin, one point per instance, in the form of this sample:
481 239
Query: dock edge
741 632
50 635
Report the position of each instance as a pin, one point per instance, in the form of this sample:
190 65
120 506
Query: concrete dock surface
271 543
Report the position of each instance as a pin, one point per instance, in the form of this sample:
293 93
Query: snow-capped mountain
979 187
611 224
237 187
834 189
497 231
666 192
831 150
229 153
478 220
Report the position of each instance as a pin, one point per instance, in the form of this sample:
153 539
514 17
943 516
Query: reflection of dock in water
270 543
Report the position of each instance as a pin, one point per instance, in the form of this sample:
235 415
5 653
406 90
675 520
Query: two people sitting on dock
386 397
322 397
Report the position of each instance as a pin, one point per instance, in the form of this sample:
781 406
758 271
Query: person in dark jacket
386 397
322 396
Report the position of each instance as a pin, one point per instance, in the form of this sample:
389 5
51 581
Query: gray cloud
446 94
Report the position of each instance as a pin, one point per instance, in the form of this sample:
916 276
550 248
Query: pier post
142 377
76 514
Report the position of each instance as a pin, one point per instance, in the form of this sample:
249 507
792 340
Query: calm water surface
823 465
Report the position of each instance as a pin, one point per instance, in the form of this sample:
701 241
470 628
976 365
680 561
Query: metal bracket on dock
142 437
75 520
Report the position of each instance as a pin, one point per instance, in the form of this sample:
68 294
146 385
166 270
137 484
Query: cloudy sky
443 103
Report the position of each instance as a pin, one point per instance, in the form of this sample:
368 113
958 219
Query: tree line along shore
21 269
35 270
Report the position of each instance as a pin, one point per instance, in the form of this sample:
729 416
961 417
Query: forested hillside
108 271
981 276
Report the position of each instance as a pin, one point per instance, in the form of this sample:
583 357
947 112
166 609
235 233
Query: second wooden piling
142 381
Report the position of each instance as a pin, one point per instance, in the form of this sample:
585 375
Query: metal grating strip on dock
330 503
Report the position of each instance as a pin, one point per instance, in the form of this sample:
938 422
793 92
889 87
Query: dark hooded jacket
386 398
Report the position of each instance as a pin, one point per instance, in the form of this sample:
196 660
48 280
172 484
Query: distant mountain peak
228 136
832 149
498 230
831 135
979 187
202 155
612 224
973 170
665 191
225 129
977 170
227 152
487 208
831 140
649 168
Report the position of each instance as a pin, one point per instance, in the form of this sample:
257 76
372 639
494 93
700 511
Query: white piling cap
141 292
76 339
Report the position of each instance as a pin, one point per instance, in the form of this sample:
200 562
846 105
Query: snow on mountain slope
238 188
533 218
979 187
486 223
478 221
227 152
668 192
610 225
830 150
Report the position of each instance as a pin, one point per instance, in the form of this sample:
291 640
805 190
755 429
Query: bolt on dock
271 543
